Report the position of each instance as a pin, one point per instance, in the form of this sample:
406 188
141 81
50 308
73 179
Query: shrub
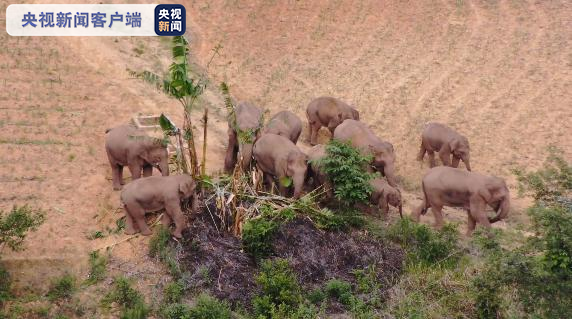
123 294
62 288
206 307
340 290
345 167
138 311
316 296
173 292
424 245
176 311
15 225
97 264
257 237
5 285
280 288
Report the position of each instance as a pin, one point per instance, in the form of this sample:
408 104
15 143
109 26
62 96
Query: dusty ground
498 71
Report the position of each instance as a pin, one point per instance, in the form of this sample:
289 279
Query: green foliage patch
15 225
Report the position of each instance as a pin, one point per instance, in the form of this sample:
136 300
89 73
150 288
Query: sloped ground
499 71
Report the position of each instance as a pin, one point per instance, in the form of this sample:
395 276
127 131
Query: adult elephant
453 187
155 193
440 138
328 112
278 158
362 137
241 134
285 123
128 146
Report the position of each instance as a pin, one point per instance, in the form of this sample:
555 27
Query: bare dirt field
498 71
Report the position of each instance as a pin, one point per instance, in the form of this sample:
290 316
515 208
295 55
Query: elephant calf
440 138
277 157
128 146
384 195
453 187
285 124
155 193
329 112
362 137
242 134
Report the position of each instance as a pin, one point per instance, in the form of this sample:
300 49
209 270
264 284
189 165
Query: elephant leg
314 128
269 181
116 176
471 223
445 157
130 227
438 213
431 155
174 210
120 174
422 151
455 162
138 215
477 210
135 170
166 220
230 157
147 170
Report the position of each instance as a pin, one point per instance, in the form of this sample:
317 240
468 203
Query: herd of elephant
273 151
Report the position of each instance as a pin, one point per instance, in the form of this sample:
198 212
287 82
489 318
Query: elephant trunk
465 159
298 181
502 211
246 153
163 166
389 172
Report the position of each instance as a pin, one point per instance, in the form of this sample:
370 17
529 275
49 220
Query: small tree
179 85
345 167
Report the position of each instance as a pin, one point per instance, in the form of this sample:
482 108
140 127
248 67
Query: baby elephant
128 146
155 193
277 157
329 112
453 187
285 124
384 195
242 134
437 137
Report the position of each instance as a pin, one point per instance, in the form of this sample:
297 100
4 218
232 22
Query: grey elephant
360 136
384 195
277 157
242 136
154 193
128 146
285 123
440 138
315 170
328 112
453 187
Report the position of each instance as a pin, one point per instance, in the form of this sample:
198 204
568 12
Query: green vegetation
173 292
97 264
62 288
345 167
206 307
257 237
159 248
130 300
15 225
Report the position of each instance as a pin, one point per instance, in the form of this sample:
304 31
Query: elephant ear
454 144
187 187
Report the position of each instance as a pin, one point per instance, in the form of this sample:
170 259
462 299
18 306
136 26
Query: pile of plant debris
215 261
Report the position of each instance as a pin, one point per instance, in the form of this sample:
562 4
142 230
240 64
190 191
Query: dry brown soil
498 71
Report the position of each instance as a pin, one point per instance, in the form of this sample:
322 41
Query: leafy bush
206 307
340 290
173 292
97 265
316 296
540 272
280 288
424 245
62 288
15 225
5 285
345 167
257 237
123 294
138 311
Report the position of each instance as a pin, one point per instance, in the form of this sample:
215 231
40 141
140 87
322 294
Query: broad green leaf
285 181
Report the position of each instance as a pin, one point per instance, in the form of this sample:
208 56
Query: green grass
62 288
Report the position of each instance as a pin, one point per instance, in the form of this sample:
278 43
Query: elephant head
187 186
384 160
296 168
355 114
460 148
156 154
497 195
